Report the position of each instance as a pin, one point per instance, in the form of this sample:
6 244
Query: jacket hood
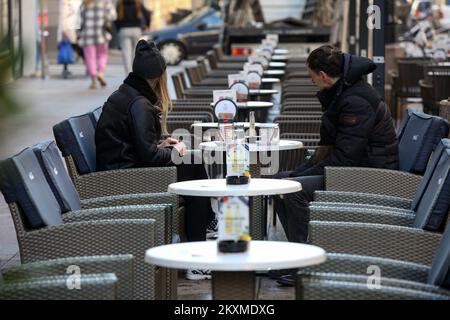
355 68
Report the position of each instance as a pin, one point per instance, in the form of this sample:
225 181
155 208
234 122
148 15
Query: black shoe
287 280
277 274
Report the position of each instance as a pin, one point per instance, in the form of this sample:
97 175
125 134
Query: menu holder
254 80
242 91
255 67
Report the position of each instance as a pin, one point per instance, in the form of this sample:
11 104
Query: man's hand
168 142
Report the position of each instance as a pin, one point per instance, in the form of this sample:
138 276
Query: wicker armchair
377 240
430 186
91 184
346 275
318 286
16 279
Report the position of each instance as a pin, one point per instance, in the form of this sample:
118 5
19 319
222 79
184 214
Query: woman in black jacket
129 130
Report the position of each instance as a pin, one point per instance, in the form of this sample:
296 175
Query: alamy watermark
73 281
374 17
374 279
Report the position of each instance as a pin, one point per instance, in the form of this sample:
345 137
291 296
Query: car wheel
173 52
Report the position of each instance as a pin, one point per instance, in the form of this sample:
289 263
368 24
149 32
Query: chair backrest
403 123
432 211
419 139
193 75
57 177
96 113
76 137
439 274
203 70
431 167
410 72
178 85
212 59
23 182
219 51
441 85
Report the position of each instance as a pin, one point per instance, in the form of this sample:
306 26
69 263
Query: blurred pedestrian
132 19
67 26
96 17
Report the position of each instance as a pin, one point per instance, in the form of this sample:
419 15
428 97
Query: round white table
274 73
262 92
233 275
215 125
281 51
284 145
219 188
279 57
252 105
277 64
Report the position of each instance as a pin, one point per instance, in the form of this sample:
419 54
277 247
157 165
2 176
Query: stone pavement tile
269 289
194 290
8 241
13 262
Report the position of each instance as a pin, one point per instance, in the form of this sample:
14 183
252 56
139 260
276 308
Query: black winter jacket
129 129
131 19
356 124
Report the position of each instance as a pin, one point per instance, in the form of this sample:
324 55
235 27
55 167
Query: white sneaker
197 274
212 230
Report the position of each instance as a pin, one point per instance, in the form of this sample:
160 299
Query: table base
234 285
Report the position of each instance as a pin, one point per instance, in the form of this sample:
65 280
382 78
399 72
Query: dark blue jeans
293 210
198 212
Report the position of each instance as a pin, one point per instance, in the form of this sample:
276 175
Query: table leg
233 285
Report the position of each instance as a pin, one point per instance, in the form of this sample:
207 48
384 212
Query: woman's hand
168 142
181 148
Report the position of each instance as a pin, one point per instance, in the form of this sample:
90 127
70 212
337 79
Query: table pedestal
234 285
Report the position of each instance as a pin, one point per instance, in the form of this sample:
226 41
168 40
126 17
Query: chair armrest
129 181
94 287
393 73
131 199
355 213
161 214
138 199
120 265
369 180
362 198
352 287
100 237
377 240
425 85
358 265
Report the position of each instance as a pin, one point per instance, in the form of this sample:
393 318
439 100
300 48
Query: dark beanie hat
148 62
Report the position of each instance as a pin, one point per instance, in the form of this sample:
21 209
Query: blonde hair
164 104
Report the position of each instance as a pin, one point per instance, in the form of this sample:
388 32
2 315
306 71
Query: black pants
198 212
293 210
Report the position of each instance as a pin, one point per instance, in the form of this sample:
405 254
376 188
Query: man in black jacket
356 131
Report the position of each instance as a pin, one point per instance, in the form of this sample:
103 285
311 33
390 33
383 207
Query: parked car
194 34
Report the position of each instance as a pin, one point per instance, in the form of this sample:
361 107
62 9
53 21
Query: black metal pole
352 27
379 45
363 31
